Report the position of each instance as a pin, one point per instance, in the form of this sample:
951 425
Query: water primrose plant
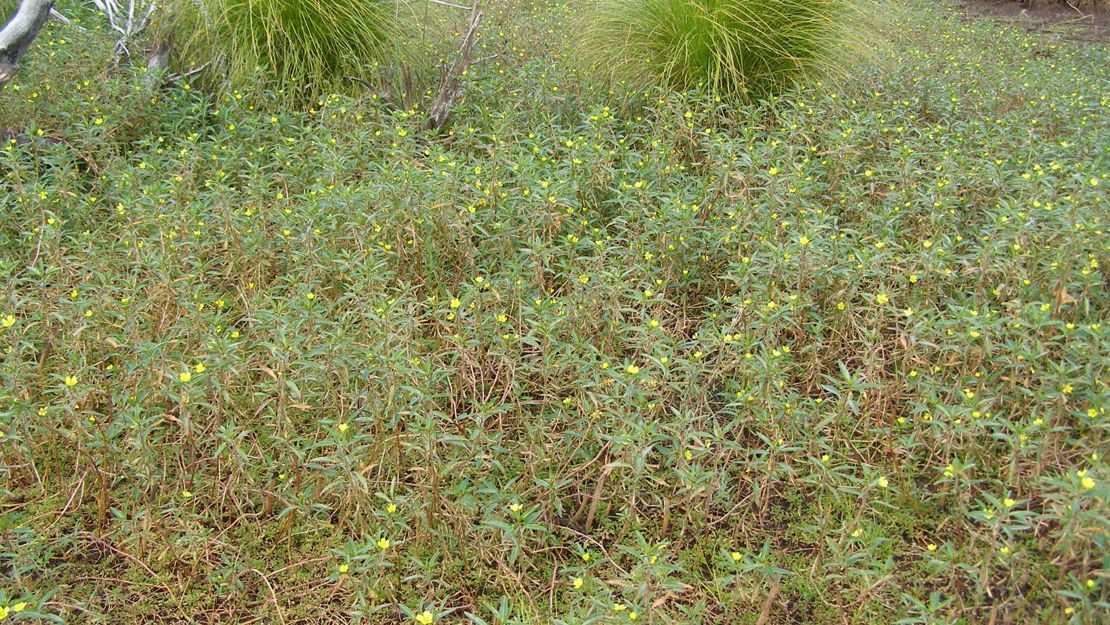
840 356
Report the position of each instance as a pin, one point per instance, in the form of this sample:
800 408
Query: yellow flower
3 612
882 298
583 278
804 240
199 368
632 616
632 369
19 607
736 557
577 583
455 303
516 507
185 377
342 427
310 296
586 557
391 508
1088 483
883 482
9 321
343 568
425 618
71 380
931 547
383 544
1009 503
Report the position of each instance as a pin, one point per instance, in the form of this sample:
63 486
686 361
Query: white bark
128 19
18 34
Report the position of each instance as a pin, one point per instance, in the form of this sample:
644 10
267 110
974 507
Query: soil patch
1081 24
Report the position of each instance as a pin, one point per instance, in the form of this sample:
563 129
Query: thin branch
450 4
450 85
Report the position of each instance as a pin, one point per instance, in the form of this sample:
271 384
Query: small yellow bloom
199 368
736 557
577 583
71 380
1088 483
310 296
883 482
632 369
343 568
9 321
425 618
343 427
383 544
455 303
185 377
391 508
583 278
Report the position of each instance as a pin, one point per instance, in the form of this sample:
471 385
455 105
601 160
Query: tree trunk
18 34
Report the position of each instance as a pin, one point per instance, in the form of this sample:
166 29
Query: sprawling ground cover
837 358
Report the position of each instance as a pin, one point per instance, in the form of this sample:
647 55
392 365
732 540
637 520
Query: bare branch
450 4
18 34
450 85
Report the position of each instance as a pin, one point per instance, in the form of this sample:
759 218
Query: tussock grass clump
748 48
301 45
